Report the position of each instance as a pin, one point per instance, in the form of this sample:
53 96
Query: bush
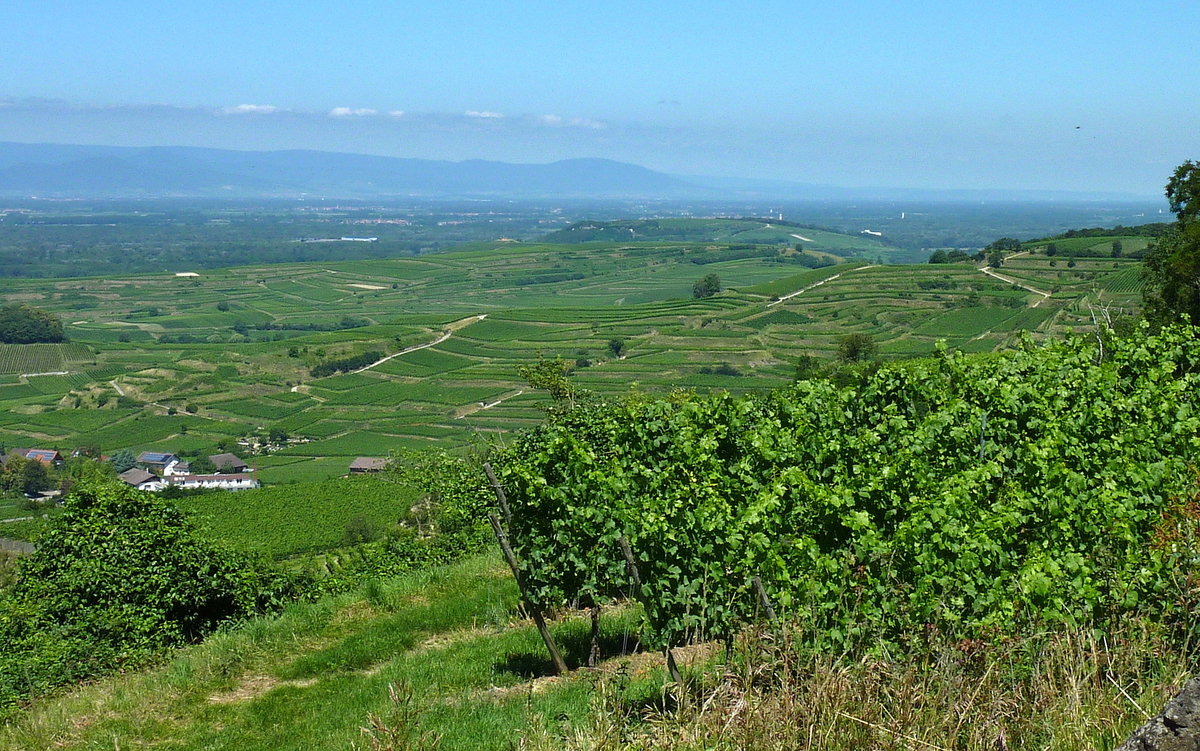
120 576
706 286
857 347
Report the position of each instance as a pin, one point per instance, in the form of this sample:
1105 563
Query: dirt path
450 329
480 407
1045 295
801 291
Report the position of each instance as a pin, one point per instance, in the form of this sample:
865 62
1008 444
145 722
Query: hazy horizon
1069 97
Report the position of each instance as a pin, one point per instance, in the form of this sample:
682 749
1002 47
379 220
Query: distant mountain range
69 171
163 171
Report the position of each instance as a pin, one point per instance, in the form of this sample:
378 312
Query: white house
142 480
221 482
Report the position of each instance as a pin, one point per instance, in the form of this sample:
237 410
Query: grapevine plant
966 495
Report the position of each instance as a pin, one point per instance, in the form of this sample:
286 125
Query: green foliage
953 256
123 460
345 364
288 520
706 286
551 376
25 324
971 496
119 576
857 347
808 366
1004 244
455 496
1173 264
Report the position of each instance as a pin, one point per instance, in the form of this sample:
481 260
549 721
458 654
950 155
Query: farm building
45 456
365 464
142 480
218 482
156 460
227 463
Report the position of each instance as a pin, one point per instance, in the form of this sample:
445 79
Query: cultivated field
176 363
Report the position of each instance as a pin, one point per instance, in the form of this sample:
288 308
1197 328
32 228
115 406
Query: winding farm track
1045 295
450 329
480 407
790 295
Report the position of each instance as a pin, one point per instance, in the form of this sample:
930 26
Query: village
39 473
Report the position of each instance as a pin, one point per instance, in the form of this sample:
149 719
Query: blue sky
1065 95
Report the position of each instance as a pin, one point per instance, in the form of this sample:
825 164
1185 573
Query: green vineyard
968 496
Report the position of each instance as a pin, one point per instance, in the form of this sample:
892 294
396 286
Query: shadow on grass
574 645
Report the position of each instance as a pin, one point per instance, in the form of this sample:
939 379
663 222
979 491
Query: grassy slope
471 674
309 678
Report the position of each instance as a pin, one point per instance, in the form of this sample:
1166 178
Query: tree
201 465
808 367
35 477
1116 248
706 286
1052 249
123 460
1172 267
1005 243
995 259
551 376
616 345
857 347
938 256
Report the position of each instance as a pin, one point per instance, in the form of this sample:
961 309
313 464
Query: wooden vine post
560 666
498 489
631 566
762 598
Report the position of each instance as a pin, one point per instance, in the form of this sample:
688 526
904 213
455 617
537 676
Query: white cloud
350 112
397 113
484 114
574 122
251 109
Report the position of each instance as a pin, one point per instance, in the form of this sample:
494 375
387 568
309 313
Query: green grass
311 677
468 672
966 322
304 517
793 282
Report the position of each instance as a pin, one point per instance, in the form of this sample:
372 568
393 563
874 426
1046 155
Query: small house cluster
156 471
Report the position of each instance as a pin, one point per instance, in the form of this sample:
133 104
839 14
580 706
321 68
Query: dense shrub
120 576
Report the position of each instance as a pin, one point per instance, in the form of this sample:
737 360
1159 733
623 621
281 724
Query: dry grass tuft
1070 690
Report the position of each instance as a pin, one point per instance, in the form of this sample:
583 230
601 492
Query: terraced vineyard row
228 371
